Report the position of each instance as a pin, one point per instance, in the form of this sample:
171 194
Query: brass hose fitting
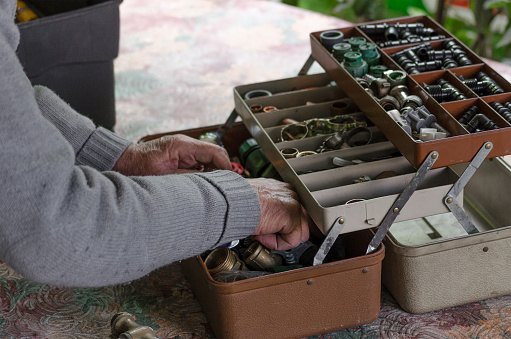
123 326
223 259
259 258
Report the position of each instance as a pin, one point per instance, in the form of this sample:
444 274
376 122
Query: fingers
284 223
186 152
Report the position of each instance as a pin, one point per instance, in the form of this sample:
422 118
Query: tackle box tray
461 146
431 263
326 191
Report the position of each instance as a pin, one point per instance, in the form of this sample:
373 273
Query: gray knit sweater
65 219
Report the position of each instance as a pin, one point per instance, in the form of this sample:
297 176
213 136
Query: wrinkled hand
283 223
172 154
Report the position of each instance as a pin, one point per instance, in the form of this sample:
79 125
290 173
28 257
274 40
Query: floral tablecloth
179 61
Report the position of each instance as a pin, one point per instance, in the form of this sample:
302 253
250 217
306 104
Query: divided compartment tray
461 146
327 191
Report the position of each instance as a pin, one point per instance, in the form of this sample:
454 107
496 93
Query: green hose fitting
370 54
356 42
377 70
354 64
255 161
340 49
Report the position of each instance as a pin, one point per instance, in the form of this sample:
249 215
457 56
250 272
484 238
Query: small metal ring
269 108
305 153
294 132
289 153
256 93
359 136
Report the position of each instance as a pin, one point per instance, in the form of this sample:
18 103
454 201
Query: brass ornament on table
124 326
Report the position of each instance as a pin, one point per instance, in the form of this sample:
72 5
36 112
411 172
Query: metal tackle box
358 172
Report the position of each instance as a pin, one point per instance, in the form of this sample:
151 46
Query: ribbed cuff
243 205
102 150
75 128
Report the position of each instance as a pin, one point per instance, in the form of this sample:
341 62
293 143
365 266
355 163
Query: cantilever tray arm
450 198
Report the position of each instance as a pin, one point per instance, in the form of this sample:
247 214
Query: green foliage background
487 42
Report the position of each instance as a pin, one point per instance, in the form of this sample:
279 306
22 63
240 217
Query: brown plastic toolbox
458 148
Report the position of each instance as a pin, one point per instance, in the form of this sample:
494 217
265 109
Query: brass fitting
123 326
223 259
260 258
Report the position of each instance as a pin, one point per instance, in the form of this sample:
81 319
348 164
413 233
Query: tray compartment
436 46
452 271
425 20
458 109
456 149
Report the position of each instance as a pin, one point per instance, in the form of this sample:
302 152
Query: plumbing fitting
395 77
365 85
329 38
370 54
269 108
223 259
339 49
305 153
493 87
426 66
356 42
123 326
458 53
260 258
480 122
253 158
413 119
504 111
354 64
333 142
256 108
339 108
359 136
396 116
212 138
402 94
388 102
468 115
377 70
294 132
380 87
438 93
455 93
289 153
256 93
430 119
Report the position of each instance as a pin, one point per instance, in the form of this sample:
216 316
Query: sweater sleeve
95 147
72 225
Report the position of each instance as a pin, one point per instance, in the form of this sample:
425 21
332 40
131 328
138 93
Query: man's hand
172 154
283 223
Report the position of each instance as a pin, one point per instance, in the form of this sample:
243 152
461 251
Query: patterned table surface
179 61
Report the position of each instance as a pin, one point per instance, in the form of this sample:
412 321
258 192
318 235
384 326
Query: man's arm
92 146
73 225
